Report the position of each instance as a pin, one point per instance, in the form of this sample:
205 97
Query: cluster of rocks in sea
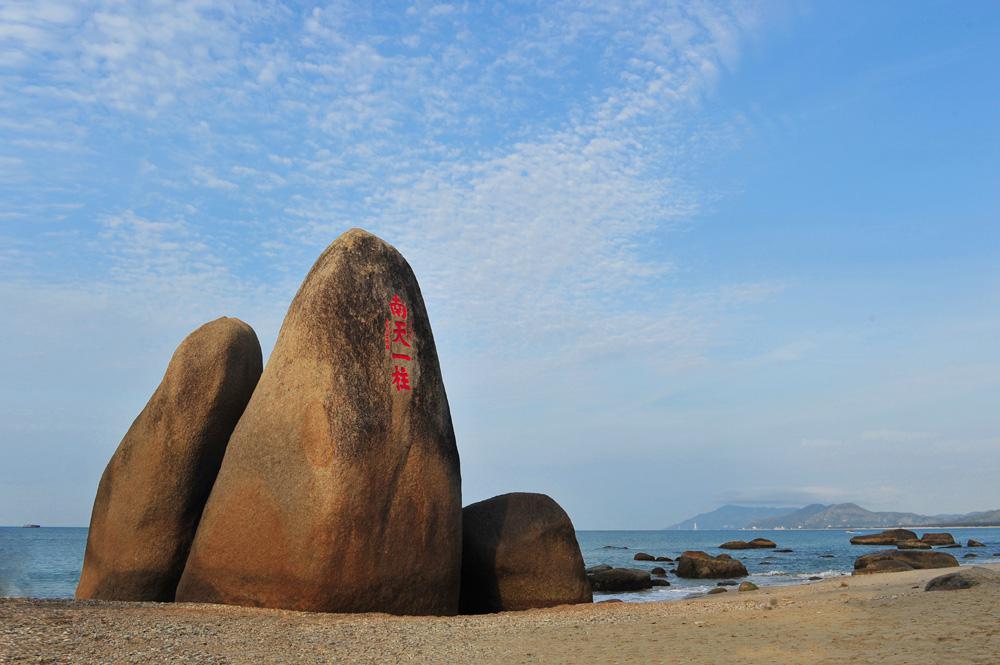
911 551
326 481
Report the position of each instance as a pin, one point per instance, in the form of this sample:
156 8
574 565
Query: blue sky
674 254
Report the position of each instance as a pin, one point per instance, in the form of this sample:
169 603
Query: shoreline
872 618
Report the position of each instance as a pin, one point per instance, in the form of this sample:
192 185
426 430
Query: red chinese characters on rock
397 342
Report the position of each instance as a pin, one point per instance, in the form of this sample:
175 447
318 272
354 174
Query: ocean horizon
45 562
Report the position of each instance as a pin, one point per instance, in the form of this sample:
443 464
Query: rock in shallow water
154 489
938 539
756 543
620 579
887 537
519 551
340 490
697 564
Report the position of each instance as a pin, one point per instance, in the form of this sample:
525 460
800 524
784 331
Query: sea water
46 562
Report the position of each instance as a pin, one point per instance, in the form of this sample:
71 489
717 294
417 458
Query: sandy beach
885 618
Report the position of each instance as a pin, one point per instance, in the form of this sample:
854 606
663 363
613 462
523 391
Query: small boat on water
32 526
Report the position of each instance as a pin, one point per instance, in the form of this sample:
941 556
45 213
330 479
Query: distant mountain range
729 517
819 516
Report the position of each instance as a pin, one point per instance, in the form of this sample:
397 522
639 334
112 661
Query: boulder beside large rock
153 491
519 551
887 537
620 579
974 543
887 561
755 544
699 565
340 490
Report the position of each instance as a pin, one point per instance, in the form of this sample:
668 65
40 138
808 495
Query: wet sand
885 618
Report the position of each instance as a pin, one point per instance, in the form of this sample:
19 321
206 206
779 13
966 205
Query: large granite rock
154 489
755 544
913 545
899 560
887 537
964 579
340 490
938 539
620 579
519 551
697 564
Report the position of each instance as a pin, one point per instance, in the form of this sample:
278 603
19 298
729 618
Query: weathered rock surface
717 590
340 490
887 537
620 579
747 586
697 564
656 570
659 581
663 558
913 545
642 556
898 560
154 489
519 551
964 579
974 543
938 539
756 543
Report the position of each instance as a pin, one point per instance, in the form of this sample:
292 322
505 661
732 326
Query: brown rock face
890 561
755 544
913 545
887 537
154 489
697 564
519 551
974 543
340 490
642 556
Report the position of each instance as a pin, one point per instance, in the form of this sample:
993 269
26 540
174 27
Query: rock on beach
340 490
520 552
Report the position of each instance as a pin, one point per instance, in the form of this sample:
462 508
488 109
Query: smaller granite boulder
964 579
699 565
756 543
974 543
642 556
938 539
888 561
717 590
620 579
887 537
664 558
598 568
658 571
659 581
747 586
519 551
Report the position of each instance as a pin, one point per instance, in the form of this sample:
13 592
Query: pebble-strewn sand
881 619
